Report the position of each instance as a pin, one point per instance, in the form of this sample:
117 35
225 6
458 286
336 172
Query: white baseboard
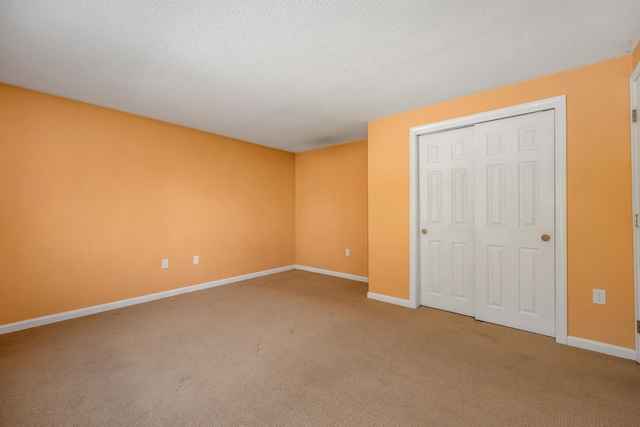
391 300
333 273
600 347
59 317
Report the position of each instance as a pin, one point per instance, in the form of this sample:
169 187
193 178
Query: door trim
635 196
559 105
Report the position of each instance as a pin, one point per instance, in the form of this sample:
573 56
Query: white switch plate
599 296
196 259
165 263
347 252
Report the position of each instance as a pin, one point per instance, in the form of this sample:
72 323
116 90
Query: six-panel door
515 274
447 220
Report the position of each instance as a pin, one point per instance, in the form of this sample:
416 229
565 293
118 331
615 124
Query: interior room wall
598 186
93 199
331 208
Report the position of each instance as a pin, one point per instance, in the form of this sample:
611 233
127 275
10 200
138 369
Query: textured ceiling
298 75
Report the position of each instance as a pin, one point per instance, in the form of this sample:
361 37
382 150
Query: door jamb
559 105
635 190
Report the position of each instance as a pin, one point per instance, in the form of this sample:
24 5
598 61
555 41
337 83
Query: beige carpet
301 349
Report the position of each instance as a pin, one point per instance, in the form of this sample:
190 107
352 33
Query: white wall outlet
599 296
196 259
347 252
165 263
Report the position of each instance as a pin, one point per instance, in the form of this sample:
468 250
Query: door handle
545 237
423 231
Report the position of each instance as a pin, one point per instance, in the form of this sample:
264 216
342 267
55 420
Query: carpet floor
302 349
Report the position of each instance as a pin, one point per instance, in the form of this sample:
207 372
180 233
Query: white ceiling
299 74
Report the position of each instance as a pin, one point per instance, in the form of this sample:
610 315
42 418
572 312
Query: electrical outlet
347 252
165 263
196 259
599 296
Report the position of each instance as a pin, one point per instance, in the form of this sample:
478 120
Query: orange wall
635 57
92 199
599 192
331 208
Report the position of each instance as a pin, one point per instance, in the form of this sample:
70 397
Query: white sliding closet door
515 275
487 221
446 220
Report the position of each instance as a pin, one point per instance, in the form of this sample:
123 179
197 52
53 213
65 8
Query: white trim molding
391 300
635 197
600 347
332 273
59 317
559 105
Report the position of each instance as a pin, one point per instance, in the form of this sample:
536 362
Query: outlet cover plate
600 296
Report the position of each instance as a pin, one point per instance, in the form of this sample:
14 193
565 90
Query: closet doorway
488 217
487 221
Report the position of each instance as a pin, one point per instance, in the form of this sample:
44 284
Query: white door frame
559 105
635 186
